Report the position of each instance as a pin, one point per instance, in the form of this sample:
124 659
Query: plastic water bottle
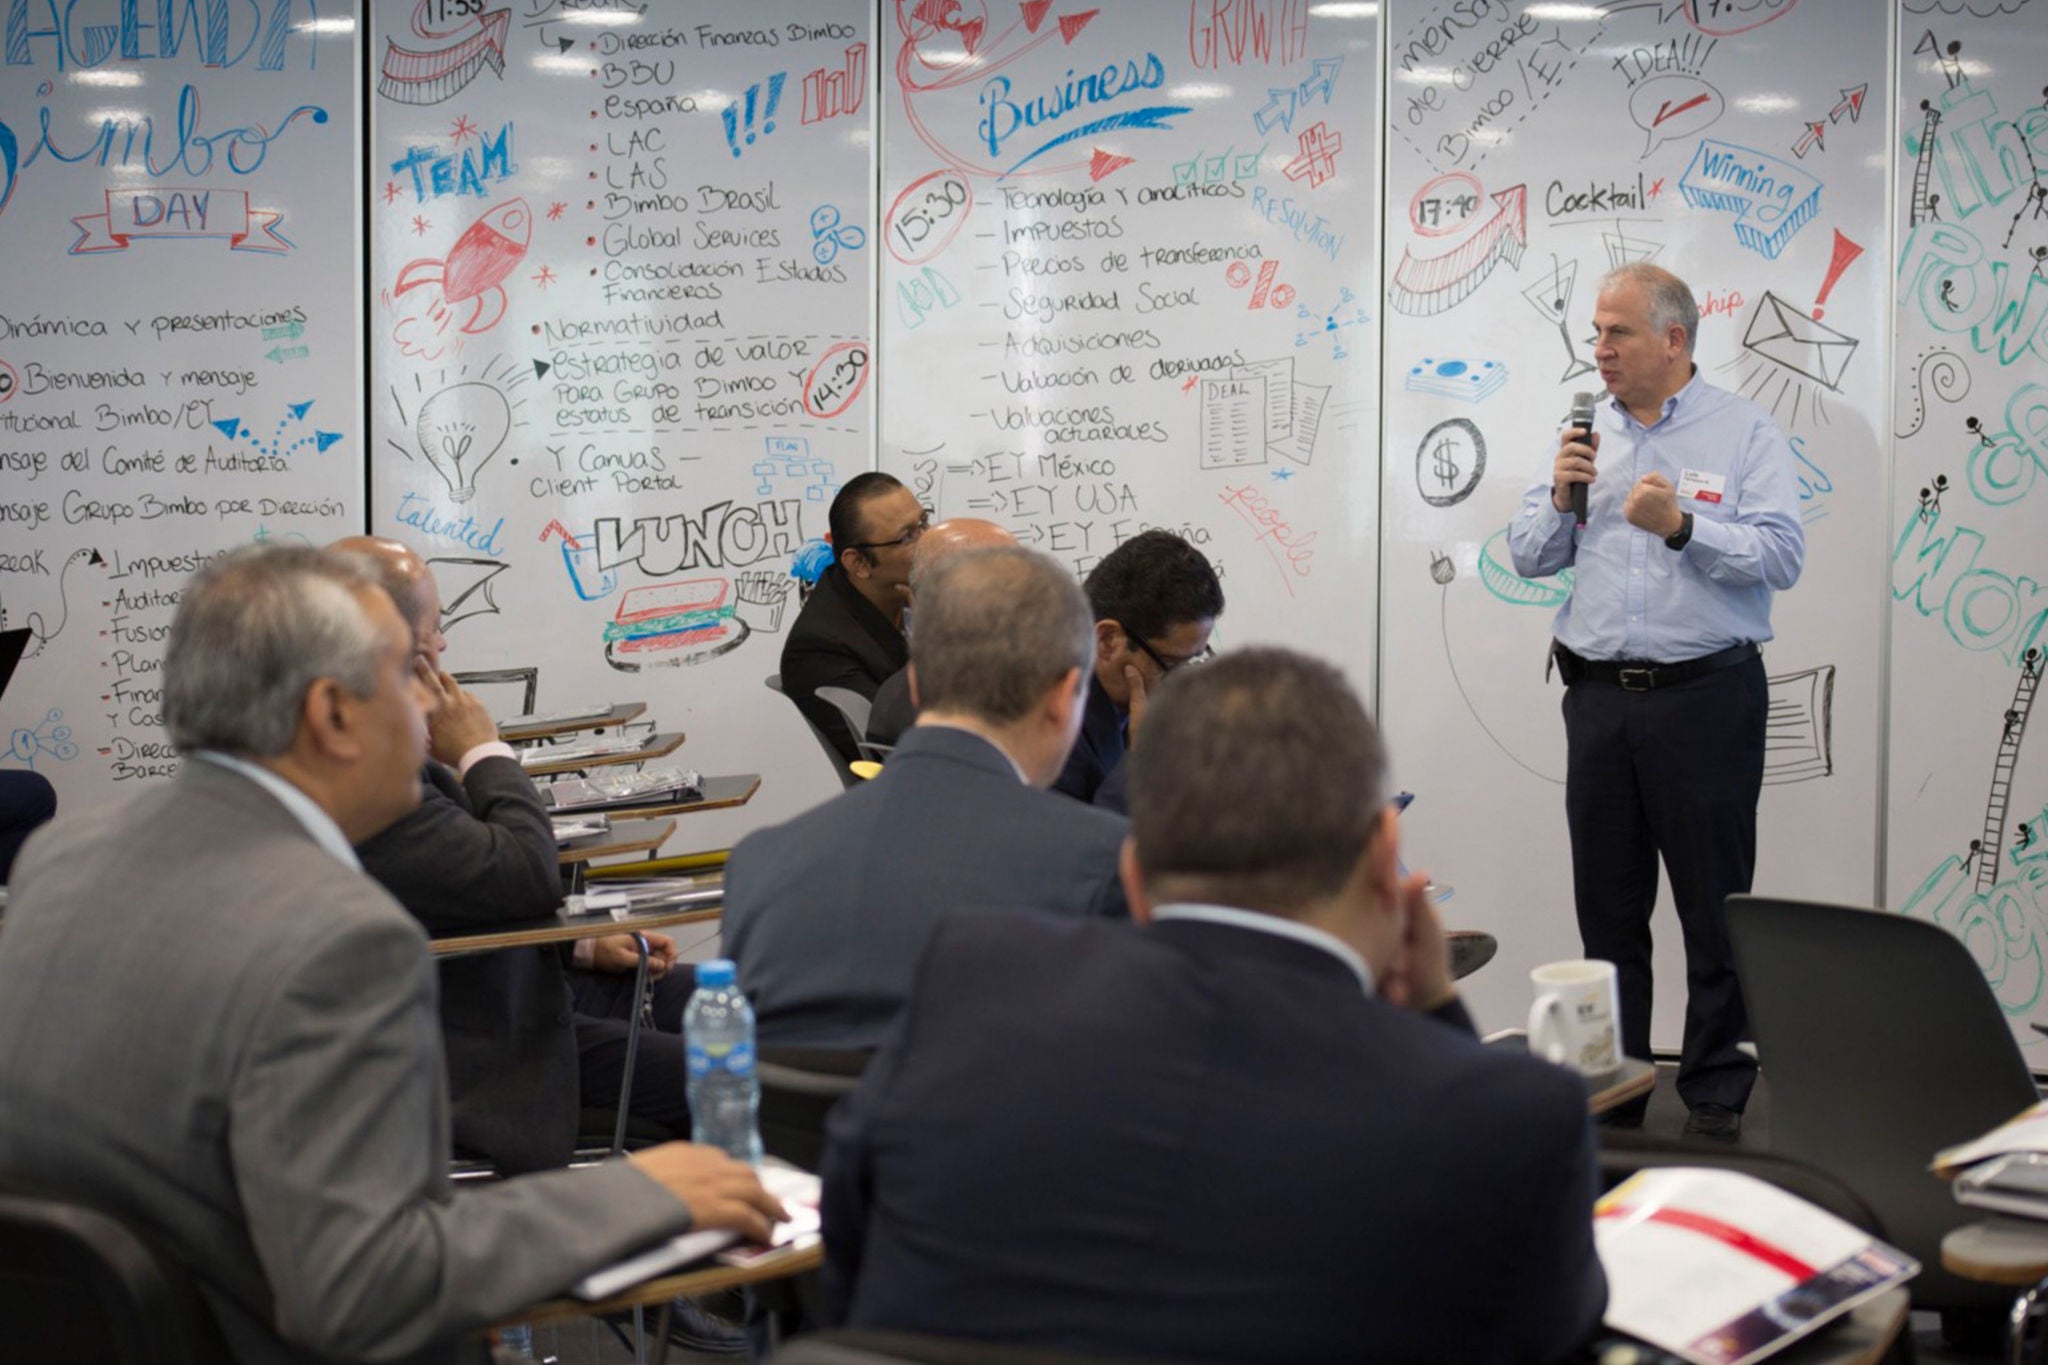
718 1034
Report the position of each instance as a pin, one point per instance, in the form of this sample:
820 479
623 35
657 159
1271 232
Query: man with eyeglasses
1156 600
850 631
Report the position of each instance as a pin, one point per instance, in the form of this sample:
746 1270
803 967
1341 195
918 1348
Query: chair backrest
799 1088
78 1286
846 776
1622 1154
1881 1043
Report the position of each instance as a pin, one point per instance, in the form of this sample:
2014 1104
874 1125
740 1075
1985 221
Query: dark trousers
603 1008
1674 772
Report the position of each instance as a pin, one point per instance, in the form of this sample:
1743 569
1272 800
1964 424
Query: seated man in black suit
1254 1126
1156 601
826 915
850 631
894 708
528 1042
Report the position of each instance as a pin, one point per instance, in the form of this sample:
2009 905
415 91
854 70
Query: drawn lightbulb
459 430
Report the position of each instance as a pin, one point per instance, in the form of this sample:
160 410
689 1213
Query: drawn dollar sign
1443 462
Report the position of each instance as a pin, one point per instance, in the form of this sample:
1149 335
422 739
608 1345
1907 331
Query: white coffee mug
1576 1020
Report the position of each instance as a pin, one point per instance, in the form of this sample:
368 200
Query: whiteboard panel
621 346
1535 146
1968 826
1127 284
179 342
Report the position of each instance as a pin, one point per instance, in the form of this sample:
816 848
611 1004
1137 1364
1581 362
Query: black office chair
1883 1044
799 1088
79 1286
847 777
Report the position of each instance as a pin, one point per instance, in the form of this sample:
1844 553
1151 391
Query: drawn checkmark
1665 111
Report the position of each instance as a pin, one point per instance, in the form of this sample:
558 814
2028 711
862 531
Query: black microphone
1581 420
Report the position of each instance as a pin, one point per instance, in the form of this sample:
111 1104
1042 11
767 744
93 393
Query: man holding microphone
1675 503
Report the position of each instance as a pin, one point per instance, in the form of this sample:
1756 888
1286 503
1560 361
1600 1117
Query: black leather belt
1639 675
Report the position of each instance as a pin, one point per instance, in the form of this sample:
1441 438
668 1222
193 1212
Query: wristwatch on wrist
1677 539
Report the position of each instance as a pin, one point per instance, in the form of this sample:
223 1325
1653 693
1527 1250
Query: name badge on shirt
1699 486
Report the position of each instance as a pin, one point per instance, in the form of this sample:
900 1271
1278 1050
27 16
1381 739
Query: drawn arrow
541 368
556 527
230 427
324 439
1813 138
1852 104
565 44
1278 109
299 410
280 354
1322 79
1103 163
1425 286
1035 12
290 331
1072 24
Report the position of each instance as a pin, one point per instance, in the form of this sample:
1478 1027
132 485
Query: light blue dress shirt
1634 598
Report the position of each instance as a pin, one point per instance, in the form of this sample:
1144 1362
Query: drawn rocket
475 268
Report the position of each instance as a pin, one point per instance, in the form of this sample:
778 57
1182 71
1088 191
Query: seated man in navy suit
1254 1126
826 915
1156 601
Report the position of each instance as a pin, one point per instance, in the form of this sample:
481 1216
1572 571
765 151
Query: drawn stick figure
1977 429
2040 255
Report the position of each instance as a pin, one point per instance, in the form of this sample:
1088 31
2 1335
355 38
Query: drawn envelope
1782 334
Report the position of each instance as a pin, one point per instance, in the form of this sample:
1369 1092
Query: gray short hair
995 629
1258 783
1671 300
254 630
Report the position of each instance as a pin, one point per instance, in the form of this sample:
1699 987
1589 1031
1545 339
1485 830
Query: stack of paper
1721 1268
799 1192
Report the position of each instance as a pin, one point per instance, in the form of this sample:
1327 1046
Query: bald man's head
411 585
948 538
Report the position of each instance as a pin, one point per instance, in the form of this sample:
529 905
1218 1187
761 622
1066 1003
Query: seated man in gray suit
826 915
528 1043
259 1085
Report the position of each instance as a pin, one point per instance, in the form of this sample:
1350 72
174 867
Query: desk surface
654 746
720 793
704 1280
1998 1250
697 900
617 714
1611 1092
625 836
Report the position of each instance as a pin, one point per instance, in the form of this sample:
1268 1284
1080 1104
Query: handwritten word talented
1006 117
